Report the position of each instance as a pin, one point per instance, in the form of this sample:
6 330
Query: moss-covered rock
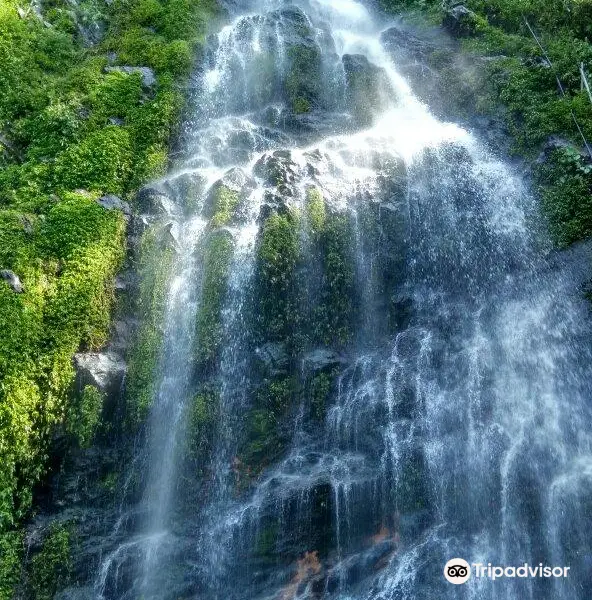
265 438
218 252
84 415
368 89
276 292
303 81
153 265
202 413
225 202
51 568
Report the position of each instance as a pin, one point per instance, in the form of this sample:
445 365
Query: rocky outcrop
147 74
321 359
112 202
13 280
460 21
368 88
104 370
154 200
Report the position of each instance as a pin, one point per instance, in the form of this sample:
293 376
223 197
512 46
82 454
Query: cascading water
420 390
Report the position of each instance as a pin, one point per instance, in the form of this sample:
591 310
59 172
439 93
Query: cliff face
249 377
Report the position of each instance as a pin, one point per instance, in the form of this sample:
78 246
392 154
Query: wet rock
147 74
368 88
188 188
105 370
122 332
273 357
556 142
237 180
76 593
226 200
112 202
321 359
153 199
278 169
13 280
460 21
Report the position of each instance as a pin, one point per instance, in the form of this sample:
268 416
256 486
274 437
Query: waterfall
387 371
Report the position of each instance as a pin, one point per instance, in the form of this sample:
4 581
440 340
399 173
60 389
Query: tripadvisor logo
459 571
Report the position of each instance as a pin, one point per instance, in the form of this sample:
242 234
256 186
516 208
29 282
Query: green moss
301 105
51 567
154 267
66 269
217 259
102 161
201 426
276 290
334 315
84 415
225 202
319 391
303 81
265 438
316 212
11 556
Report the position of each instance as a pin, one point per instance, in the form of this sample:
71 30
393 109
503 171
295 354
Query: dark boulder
155 200
459 21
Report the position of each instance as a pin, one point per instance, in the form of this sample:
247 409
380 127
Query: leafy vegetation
51 567
11 551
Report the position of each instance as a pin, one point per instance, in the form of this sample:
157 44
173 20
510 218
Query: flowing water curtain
364 355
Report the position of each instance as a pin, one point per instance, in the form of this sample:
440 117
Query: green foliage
84 415
65 125
51 568
567 198
217 259
102 161
66 264
11 555
276 292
